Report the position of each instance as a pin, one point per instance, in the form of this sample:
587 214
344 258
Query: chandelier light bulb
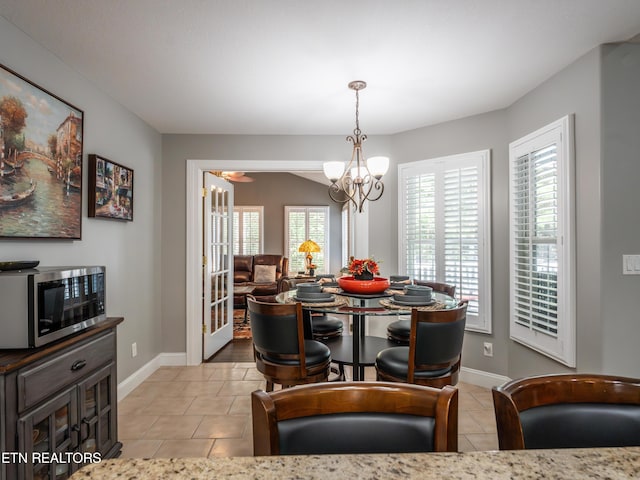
333 170
378 166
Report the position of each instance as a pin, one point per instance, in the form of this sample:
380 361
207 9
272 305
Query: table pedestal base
342 352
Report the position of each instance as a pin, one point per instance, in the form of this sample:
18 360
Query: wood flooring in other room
205 411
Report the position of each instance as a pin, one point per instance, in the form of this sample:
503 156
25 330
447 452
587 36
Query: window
542 297
248 230
444 226
306 223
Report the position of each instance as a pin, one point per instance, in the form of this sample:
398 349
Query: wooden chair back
355 417
568 410
439 287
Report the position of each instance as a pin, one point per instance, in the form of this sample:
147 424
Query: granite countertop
569 464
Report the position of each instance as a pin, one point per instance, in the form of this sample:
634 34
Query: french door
217 321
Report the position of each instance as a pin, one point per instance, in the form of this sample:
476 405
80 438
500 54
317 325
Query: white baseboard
467 375
136 378
481 378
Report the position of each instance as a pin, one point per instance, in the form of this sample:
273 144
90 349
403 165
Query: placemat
339 301
436 306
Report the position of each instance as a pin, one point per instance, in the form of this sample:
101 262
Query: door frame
195 174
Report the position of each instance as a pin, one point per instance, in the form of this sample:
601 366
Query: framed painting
40 161
110 189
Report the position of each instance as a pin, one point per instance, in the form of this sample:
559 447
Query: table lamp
309 247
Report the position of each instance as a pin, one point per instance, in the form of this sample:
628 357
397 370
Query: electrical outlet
134 349
487 349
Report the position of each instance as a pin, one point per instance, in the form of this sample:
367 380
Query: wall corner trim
481 378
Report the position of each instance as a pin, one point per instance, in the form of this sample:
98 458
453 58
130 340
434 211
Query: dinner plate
412 298
327 299
412 304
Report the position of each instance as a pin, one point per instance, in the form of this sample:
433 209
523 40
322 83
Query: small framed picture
110 189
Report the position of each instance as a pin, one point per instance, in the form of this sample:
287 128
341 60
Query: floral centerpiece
361 279
363 269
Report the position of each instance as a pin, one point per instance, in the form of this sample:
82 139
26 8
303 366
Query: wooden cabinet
58 405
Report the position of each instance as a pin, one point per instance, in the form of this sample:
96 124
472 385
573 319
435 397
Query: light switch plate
631 264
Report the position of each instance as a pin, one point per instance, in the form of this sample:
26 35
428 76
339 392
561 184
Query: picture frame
41 152
110 189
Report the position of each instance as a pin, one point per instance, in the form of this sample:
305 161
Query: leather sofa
258 271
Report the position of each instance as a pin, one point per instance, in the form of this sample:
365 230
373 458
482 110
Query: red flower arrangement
362 266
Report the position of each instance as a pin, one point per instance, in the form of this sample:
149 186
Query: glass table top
370 305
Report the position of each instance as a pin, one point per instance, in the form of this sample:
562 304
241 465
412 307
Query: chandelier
360 180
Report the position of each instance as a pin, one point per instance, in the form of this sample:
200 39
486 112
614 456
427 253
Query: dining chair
323 327
282 353
434 352
568 411
399 330
355 417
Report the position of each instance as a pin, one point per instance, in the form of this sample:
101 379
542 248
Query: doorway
195 232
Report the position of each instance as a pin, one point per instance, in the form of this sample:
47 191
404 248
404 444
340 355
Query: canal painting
110 189
40 162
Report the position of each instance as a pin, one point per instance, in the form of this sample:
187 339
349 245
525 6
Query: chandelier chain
357 129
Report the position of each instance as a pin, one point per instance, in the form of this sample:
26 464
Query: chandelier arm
334 189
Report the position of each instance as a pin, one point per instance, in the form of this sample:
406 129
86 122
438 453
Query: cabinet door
98 418
51 428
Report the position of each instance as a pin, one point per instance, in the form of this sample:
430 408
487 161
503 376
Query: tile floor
205 411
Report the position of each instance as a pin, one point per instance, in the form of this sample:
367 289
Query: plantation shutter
535 202
542 241
236 232
461 233
307 223
420 222
247 230
444 227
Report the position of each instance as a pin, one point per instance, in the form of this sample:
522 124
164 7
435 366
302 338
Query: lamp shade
333 170
378 166
309 246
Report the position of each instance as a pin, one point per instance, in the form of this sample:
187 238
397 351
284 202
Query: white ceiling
282 66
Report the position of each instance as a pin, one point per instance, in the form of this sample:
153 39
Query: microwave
44 304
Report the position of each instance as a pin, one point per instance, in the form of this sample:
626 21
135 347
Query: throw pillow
264 273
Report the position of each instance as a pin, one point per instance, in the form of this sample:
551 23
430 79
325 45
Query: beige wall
620 234
129 250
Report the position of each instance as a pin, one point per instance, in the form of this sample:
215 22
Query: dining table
358 349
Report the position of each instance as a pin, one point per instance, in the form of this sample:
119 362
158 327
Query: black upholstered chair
355 417
398 331
568 411
282 353
434 352
323 327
